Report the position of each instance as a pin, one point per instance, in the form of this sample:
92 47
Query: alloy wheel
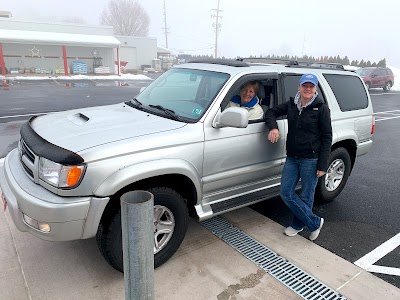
334 175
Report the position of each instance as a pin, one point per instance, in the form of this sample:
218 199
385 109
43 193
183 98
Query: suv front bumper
69 218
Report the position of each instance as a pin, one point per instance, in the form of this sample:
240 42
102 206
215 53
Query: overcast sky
359 29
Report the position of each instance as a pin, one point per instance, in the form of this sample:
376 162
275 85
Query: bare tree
127 18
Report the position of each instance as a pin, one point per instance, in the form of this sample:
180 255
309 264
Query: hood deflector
45 149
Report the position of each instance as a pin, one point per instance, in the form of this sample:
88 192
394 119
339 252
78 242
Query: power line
217 26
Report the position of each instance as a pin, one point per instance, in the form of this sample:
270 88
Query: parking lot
362 219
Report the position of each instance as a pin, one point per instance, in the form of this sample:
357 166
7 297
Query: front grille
27 158
25 150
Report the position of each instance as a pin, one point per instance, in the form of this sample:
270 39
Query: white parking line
383 118
17 116
383 94
367 262
379 116
388 111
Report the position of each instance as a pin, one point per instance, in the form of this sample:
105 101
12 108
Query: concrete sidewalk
203 268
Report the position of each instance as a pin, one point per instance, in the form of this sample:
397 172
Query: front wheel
170 219
330 185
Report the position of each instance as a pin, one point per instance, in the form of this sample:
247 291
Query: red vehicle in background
377 77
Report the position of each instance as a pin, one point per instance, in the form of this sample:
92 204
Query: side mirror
232 117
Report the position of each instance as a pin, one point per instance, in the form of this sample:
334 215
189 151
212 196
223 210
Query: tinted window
349 91
364 72
291 87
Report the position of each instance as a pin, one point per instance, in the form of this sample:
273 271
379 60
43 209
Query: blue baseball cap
308 78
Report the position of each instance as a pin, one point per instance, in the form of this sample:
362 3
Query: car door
240 164
376 78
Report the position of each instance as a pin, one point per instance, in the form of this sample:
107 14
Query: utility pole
217 26
165 26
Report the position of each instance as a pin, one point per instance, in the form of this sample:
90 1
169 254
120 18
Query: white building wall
51 57
17 55
146 50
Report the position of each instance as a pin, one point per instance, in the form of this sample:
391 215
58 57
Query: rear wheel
170 220
330 185
387 86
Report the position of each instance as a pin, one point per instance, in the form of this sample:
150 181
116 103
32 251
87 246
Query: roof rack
328 65
220 61
266 60
292 63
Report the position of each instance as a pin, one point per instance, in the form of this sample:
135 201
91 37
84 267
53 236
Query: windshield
184 92
364 72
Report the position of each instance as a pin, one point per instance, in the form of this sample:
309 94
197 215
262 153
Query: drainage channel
299 281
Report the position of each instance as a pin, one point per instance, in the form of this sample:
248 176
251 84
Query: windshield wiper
169 112
134 103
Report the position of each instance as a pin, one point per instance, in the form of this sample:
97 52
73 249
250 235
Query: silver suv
177 140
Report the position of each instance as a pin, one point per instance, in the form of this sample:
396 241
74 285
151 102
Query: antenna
217 26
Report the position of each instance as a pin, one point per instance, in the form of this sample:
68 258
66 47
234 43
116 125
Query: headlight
59 175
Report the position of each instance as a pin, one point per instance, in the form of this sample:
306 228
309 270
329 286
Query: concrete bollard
138 244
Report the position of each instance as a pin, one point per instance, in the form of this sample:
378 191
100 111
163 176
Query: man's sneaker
315 233
290 231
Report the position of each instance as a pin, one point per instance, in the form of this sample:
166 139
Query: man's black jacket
309 133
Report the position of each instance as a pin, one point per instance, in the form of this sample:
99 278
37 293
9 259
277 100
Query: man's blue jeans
293 170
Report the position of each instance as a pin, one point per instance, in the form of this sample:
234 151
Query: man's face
307 90
247 93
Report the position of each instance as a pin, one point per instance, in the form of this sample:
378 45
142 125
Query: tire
330 185
387 86
170 210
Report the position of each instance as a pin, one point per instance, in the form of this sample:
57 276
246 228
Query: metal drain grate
299 281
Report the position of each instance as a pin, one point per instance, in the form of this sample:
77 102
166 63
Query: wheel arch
351 147
176 174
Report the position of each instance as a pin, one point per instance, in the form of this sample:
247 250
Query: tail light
373 124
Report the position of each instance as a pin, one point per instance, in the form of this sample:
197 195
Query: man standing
308 146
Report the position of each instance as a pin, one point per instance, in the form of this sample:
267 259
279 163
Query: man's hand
273 135
320 173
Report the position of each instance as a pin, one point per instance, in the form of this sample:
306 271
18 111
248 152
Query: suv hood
80 129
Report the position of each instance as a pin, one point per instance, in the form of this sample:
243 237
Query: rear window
349 91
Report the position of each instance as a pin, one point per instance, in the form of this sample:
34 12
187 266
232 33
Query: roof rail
328 65
292 63
266 60
220 61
